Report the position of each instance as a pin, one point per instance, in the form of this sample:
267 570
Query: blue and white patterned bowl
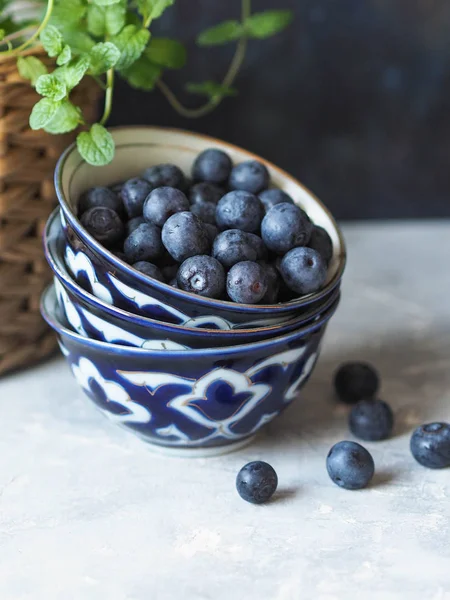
110 279
91 317
204 401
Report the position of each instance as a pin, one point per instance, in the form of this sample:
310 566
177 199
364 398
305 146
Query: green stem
230 76
36 34
108 96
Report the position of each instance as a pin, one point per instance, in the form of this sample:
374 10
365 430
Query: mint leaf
106 21
153 9
105 2
142 74
43 112
67 118
166 53
96 20
228 31
79 41
265 24
52 40
73 72
2 34
67 13
65 56
211 89
96 146
51 86
103 56
131 42
31 68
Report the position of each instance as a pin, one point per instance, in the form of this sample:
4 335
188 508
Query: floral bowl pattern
207 401
112 280
91 317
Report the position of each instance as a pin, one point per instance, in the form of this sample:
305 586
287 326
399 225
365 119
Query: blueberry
165 175
356 381
274 196
120 255
205 192
321 241
174 283
162 203
212 165
233 246
430 445
117 187
251 176
149 269
170 271
133 194
303 270
371 420
185 235
239 210
143 244
350 465
259 246
256 482
99 196
133 224
206 211
202 275
284 227
104 225
273 284
212 230
247 282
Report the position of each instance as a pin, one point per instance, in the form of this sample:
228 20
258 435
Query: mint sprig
102 38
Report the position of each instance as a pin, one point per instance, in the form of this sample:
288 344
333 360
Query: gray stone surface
87 512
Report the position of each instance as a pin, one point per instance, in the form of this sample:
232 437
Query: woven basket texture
27 196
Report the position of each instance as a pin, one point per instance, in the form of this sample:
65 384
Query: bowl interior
140 147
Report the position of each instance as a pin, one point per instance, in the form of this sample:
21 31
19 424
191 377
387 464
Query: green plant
105 38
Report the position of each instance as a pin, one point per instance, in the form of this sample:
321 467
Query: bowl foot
185 452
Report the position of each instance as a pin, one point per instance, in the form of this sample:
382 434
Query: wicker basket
27 162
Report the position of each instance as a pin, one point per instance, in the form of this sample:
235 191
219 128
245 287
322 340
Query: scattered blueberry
212 230
104 225
165 175
239 210
212 165
143 244
133 224
202 275
284 227
273 284
274 196
149 269
162 203
321 241
256 482
251 176
247 282
233 246
350 465
99 196
304 270
133 194
356 381
371 420
185 235
205 192
206 211
430 445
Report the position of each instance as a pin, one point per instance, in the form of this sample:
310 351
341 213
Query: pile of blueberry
223 235
349 464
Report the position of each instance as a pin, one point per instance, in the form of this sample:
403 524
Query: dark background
354 99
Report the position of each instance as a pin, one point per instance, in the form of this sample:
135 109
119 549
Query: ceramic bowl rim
63 275
181 294
220 352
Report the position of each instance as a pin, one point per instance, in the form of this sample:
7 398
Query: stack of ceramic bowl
187 373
